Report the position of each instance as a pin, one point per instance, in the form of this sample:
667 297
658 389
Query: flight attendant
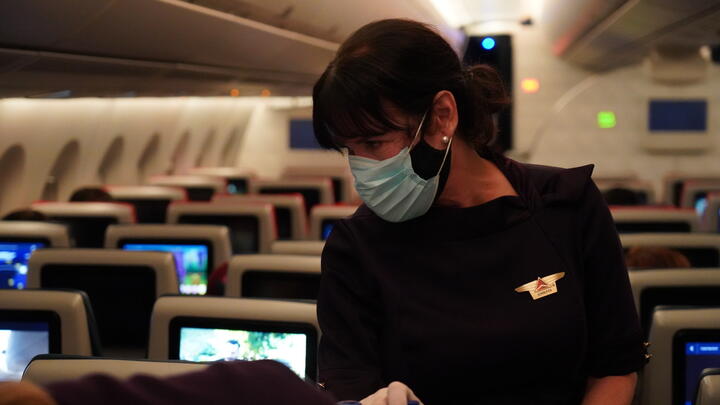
468 276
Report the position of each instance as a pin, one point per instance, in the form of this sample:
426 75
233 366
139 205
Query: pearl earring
445 140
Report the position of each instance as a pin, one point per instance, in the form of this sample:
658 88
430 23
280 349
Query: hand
24 393
396 393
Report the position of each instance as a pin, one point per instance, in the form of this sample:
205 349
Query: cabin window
60 180
230 150
205 158
110 170
178 160
12 167
147 161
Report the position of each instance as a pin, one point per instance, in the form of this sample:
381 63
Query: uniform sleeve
348 312
615 338
236 383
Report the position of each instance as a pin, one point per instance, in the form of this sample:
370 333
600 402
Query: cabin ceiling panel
331 20
162 30
470 12
150 44
41 24
628 33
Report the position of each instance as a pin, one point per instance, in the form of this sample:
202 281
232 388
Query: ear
444 119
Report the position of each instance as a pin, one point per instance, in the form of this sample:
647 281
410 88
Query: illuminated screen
701 205
19 343
14 258
191 262
693 352
302 135
237 186
677 115
291 347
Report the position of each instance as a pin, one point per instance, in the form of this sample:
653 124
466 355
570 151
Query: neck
473 180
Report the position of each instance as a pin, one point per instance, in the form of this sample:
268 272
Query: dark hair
621 196
405 64
25 214
88 194
655 257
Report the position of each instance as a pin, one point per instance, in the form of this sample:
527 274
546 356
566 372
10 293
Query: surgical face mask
392 188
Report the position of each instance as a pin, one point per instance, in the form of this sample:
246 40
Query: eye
372 144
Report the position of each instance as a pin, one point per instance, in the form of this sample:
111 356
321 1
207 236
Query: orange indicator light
530 85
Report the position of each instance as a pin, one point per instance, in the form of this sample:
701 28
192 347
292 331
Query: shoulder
556 184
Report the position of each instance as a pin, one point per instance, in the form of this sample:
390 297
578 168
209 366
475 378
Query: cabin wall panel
42 128
266 143
558 125
137 120
12 172
573 138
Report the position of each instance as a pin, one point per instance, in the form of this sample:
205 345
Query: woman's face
387 145
379 147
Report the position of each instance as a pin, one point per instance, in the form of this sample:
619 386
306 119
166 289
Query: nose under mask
404 186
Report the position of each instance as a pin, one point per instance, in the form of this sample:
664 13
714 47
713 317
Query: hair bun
486 88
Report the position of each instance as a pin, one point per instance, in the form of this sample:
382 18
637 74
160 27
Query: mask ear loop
447 152
422 120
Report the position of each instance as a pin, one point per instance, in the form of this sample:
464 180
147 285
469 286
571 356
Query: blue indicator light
488 43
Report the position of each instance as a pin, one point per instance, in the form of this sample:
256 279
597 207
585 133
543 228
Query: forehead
362 130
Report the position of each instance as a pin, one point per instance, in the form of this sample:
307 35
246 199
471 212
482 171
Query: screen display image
701 205
237 186
14 258
205 344
19 343
698 357
327 227
191 262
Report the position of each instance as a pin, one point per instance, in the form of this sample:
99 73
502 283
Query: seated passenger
655 257
91 194
25 214
261 382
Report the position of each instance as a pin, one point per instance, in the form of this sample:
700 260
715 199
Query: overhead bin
606 34
155 46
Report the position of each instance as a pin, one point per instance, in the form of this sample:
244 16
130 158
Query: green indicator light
606 119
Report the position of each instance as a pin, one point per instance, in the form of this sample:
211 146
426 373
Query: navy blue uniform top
431 302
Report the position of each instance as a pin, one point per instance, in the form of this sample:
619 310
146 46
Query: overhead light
488 43
453 12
